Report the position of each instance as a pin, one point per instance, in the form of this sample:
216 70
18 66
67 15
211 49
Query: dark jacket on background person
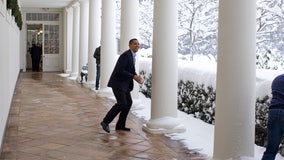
123 73
97 55
36 52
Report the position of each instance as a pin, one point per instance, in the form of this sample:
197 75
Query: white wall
9 64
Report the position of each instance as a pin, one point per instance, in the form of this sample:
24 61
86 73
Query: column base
236 158
178 129
68 71
104 92
78 79
137 104
74 75
164 125
90 84
64 74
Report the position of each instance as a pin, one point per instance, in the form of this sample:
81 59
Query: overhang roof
45 3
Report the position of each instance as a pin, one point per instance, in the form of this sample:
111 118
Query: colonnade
234 129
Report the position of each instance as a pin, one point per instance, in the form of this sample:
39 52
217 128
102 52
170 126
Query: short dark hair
133 39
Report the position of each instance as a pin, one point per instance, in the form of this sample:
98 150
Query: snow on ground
200 135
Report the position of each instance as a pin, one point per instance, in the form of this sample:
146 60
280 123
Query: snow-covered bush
146 87
261 115
193 98
197 81
199 100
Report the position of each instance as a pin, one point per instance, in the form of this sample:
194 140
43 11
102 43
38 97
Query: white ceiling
45 3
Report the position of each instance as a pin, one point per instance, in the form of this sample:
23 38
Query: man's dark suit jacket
123 73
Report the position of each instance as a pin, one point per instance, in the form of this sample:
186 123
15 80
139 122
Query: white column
94 37
164 70
84 37
235 90
75 40
65 19
68 40
108 43
129 28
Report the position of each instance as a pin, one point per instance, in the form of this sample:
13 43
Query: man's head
134 45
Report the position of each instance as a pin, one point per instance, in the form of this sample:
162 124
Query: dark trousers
35 63
98 76
123 105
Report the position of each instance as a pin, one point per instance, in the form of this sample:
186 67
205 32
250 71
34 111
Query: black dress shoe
122 129
105 127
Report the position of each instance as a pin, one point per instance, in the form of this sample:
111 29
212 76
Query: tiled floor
54 118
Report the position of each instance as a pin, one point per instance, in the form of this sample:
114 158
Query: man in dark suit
121 82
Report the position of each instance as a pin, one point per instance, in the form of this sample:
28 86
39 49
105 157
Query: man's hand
138 79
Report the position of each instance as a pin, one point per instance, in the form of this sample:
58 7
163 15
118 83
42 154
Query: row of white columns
234 128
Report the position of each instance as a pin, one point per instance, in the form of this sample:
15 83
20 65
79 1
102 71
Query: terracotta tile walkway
54 118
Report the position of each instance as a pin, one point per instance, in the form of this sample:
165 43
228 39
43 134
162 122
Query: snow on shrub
197 94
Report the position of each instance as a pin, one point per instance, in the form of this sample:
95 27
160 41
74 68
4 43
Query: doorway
45 29
34 38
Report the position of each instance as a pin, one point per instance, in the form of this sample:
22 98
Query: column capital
72 4
67 10
75 5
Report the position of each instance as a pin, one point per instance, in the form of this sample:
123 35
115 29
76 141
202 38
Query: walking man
121 82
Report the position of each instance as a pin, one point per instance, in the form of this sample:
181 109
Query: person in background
97 56
275 123
121 82
36 52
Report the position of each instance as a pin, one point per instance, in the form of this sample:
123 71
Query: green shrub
13 5
197 100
